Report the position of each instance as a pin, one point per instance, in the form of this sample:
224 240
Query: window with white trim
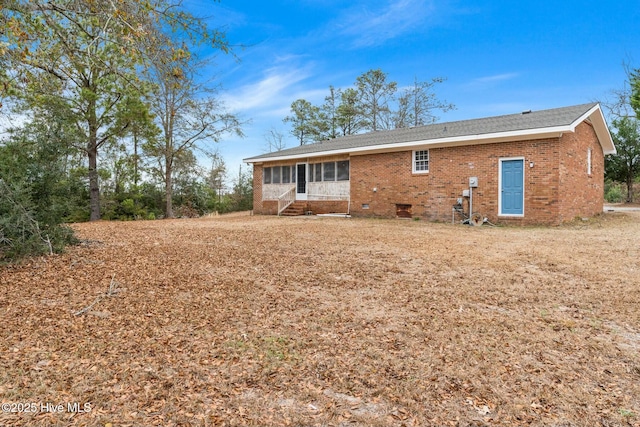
589 161
329 171
421 161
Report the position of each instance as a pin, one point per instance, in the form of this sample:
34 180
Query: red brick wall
583 194
433 194
328 206
557 187
257 190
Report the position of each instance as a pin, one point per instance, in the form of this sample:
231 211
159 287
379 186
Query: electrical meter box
473 181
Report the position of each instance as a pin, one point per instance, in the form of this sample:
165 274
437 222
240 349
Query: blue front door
512 187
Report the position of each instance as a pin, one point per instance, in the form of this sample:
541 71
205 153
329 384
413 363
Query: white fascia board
599 123
489 138
584 117
602 130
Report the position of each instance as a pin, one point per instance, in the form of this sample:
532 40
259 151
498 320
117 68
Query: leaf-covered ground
247 321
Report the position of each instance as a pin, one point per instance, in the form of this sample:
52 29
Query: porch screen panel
311 174
343 170
275 175
329 170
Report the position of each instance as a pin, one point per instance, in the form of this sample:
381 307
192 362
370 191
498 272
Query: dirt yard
256 321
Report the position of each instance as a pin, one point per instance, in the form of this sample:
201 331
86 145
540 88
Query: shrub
187 210
614 192
21 234
35 195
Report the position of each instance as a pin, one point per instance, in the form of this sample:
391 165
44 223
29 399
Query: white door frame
304 184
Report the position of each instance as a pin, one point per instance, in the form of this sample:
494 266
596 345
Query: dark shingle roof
490 125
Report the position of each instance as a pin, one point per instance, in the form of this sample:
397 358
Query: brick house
536 167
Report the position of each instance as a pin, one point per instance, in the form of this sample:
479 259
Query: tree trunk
135 160
92 154
629 188
168 190
94 187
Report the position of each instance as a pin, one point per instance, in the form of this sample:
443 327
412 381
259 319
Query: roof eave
594 114
600 127
521 135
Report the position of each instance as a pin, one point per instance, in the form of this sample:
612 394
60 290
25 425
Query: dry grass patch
318 322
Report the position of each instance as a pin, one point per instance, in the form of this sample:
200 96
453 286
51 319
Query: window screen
317 172
275 175
329 170
343 170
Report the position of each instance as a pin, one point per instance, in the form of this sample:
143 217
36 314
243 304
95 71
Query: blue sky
498 56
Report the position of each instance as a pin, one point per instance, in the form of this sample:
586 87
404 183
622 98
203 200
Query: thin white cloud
496 78
489 82
367 25
287 58
266 92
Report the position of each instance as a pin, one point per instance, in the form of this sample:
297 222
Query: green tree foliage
613 192
330 112
242 194
84 57
141 128
121 196
634 99
75 68
624 166
189 114
372 104
349 116
417 104
375 94
34 200
77 56
307 122
216 181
